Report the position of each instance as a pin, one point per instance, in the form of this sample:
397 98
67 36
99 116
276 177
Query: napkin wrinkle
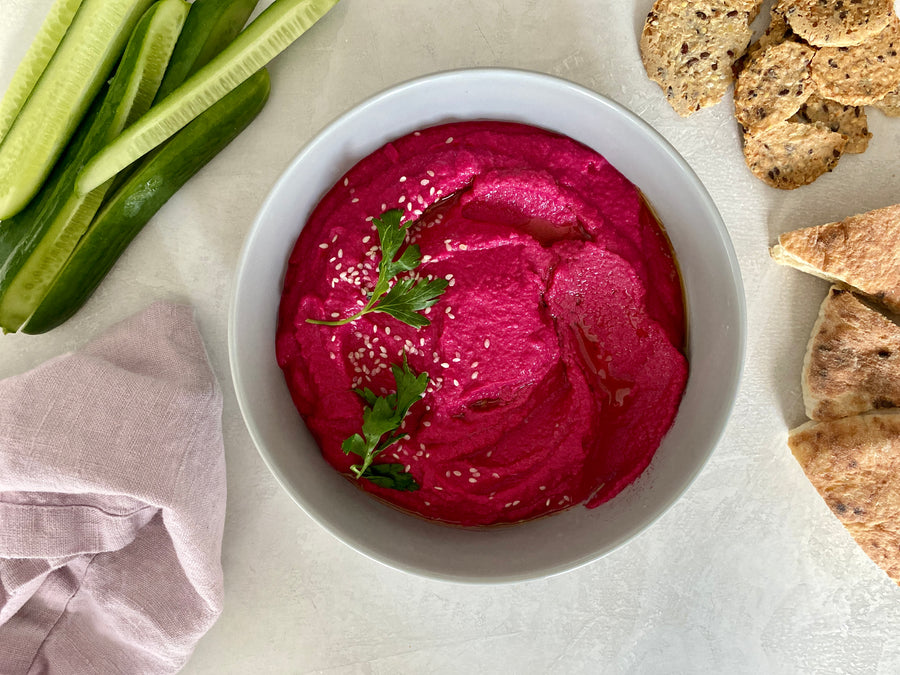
112 502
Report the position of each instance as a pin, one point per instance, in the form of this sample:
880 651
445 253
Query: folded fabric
112 503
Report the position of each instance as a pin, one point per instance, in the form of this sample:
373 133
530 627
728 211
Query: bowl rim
735 375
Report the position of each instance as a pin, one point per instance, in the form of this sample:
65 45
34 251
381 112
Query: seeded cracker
773 85
863 74
778 31
852 361
848 120
890 103
841 23
689 48
854 464
791 154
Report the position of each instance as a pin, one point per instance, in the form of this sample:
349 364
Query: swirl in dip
555 354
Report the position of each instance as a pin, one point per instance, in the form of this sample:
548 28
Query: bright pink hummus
555 354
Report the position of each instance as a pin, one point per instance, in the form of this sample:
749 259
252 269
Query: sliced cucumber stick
267 36
48 230
57 103
39 53
146 190
210 27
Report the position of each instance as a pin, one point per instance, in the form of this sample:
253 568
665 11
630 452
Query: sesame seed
438 487
366 239
387 330
455 383
402 179
354 200
426 424
475 375
334 315
449 140
443 365
487 343
323 245
423 182
402 199
333 357
457 473
346 182
473 480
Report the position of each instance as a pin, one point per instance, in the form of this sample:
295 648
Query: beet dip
555 355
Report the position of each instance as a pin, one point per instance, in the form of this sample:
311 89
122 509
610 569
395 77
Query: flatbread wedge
861 252
854 463
852 363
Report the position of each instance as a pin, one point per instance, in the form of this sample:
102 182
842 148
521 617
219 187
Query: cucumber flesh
210 27
49 231
267 36
39 53
127 211
46 122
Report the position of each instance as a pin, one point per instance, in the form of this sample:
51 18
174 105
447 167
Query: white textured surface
749 572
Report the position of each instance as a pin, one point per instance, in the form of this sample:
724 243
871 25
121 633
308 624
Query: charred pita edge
852 361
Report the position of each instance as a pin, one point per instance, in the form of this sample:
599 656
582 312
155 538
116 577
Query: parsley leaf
406 297
391 476
382 416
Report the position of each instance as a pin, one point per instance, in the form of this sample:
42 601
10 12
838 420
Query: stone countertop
749 572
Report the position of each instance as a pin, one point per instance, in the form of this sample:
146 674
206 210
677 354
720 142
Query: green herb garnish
406 297
382 416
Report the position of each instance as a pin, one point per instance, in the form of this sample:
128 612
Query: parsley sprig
406 297
382 416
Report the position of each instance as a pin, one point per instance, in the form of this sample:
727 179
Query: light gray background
748 573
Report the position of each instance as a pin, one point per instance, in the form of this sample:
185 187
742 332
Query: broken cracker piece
791 154
848 120
854 464
862 252
889 104
852 362
842 23
862 74
773 85
689 48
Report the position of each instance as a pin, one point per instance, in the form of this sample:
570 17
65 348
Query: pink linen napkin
112 503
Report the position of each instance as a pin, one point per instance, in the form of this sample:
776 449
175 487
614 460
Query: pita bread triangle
852 363
862 252
854 463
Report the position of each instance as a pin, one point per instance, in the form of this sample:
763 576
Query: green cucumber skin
262 40
25 165
210 27
21 236
125 213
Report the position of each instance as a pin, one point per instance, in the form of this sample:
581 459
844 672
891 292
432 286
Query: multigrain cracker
852 361
889 104
689 48
854 464
862 252
838 23
848 120
773 85
862 74
792 154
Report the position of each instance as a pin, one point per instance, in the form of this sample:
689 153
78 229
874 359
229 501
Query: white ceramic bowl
716 317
